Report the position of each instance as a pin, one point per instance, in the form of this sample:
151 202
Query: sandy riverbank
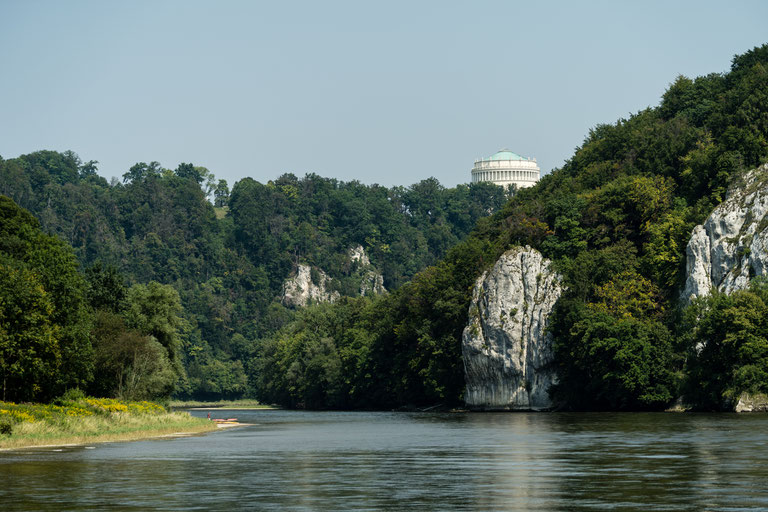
91 421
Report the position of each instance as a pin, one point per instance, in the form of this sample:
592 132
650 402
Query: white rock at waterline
508 356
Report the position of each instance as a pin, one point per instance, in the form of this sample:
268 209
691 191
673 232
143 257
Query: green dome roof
506 154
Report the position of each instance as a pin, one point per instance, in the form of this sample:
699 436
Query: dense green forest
615 219
163 267
197 285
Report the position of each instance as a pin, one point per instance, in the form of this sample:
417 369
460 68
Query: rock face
508 358
301 289
310 285
751 403
357 255
371 281
732 244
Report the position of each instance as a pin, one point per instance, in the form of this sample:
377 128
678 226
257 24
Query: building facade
507 168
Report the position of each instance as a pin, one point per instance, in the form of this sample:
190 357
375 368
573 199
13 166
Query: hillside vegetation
194 291
173 292
615 219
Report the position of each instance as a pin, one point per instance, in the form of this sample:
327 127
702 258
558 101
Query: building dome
506 168
506 154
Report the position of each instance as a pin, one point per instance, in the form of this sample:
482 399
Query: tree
29 339
129 365
155 310
614 363
726 337
106 288
140 171
89 168
221 194
42 273
190 171
207 180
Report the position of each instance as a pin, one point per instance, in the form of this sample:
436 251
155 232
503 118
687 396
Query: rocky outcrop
302 289
311 285
751 403
357 255
732 244
371 281
508 356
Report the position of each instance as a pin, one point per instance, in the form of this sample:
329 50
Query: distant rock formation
508 357
357 255
371 281
301 289
732 244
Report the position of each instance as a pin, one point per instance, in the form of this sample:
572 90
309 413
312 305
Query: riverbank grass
91 420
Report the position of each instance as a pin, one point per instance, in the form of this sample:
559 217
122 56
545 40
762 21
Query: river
293 460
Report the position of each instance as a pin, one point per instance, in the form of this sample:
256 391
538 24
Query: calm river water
291 460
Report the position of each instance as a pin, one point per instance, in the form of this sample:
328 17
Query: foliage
386 351
6 427
614 219
319 359
154 310
726 342
44 344
618 363
632 194
228 270
29 354
79 419
129 365
105 288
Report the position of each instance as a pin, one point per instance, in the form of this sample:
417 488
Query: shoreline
89 420
129 438
64 442
227 408
199 405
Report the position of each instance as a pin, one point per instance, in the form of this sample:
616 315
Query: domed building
507 168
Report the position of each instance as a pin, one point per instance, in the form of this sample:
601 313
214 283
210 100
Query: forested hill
202 310
615 220
228 262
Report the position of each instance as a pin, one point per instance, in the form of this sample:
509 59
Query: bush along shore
90 420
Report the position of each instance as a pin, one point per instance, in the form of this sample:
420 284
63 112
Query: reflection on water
291 460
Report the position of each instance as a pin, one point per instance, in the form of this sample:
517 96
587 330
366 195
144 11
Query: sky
380 92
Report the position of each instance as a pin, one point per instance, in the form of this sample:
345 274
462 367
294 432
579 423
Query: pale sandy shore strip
125 439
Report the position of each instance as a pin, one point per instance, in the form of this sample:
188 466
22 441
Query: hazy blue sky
384 92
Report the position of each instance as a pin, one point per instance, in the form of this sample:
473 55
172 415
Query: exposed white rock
357 254
301 290
371 281
751 403
732 244
508 356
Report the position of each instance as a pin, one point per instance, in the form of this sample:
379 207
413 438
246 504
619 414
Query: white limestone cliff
732 244
357 255
508 356
301 290
371 280
372 283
